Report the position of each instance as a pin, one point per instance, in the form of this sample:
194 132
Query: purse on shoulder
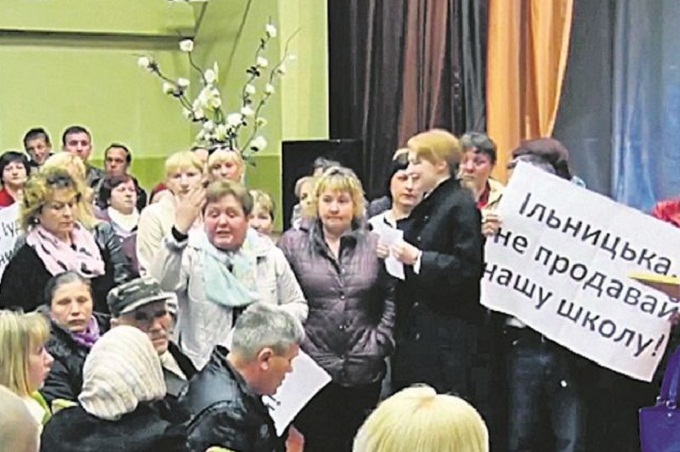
660 424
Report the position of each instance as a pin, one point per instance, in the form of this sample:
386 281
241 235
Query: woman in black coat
438 309
57 240
74 330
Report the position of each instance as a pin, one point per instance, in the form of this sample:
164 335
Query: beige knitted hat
122 370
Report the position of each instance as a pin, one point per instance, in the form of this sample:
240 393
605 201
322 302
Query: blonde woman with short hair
419 419
351 311
262 217
24 360
183 174
226 164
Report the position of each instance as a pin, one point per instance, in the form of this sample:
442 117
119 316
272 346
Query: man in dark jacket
225 398
143 304
438 310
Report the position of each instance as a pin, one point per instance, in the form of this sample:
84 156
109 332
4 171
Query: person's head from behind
121 371
51 200
402 189
14 170
226 164
321 164
433 156
68 296
265 341
183 172
225 215
262 217
142 303
77 140
338 200
304 189
19 431
37 145
419 419
117 159
119 193
544 153
479 159
24 361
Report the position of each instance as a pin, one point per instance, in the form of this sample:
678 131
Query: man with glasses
141 303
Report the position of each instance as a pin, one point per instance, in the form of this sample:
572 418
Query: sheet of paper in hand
561 262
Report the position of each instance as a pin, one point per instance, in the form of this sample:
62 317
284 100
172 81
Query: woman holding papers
351 313
438 303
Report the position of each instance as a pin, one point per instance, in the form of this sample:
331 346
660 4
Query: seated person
116 411
225 398
19 432
74 330
143 304
419 419
56 241
24 360
14 171
118 198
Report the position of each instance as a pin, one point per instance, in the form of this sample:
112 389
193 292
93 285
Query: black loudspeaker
297 160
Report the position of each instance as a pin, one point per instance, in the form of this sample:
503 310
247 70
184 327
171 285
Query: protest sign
9 231
560 264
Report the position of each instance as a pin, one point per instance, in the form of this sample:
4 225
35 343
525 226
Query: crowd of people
142 327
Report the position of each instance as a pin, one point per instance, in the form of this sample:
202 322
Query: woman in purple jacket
351 311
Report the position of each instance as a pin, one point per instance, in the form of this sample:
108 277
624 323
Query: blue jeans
542 389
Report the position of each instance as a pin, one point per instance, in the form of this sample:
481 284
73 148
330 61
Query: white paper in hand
389 237
298 388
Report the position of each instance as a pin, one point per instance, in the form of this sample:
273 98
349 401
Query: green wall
74 62
66 62
229 34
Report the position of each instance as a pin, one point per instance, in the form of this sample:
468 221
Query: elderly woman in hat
142 303
117 409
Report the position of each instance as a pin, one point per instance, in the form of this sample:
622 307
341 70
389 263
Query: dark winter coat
225 412
351 309
445 226
65 379
26 276
146 429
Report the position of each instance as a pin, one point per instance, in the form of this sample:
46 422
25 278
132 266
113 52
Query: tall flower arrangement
239 130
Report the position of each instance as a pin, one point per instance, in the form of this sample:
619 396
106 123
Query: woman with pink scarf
56 242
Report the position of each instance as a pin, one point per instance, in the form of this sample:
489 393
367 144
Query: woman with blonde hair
24 360
351 312
57 241
419 419
74 165
226 164
183 174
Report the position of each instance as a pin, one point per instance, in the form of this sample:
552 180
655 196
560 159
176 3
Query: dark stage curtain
400 67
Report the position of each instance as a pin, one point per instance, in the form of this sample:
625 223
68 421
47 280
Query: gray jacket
351 308
202 324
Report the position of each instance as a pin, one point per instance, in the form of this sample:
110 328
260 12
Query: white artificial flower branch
218 128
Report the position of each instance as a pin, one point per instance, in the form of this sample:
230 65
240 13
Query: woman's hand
382 250
491 224
405 253
189 208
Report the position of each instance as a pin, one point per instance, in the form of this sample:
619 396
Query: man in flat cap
141 303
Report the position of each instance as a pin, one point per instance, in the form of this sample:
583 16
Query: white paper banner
9 231
560 265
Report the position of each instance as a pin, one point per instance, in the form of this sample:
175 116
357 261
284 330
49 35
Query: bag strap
671 381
